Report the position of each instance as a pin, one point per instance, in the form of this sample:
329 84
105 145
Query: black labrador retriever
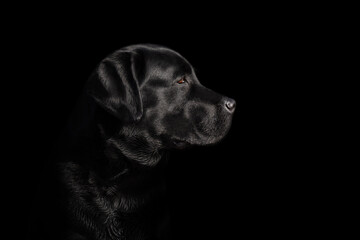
140 102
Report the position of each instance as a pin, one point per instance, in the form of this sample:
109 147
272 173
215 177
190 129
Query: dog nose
230 104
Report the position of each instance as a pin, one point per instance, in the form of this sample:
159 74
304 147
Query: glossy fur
140 102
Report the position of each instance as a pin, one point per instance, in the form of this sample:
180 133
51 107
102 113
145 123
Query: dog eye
181 81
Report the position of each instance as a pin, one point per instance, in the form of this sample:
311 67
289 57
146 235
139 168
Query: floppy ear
115 86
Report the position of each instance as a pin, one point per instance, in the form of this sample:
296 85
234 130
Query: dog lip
180 143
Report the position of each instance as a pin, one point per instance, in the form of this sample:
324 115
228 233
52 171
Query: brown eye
181 81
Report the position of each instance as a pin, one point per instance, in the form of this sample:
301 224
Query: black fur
112 157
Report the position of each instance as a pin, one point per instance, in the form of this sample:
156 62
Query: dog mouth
180 144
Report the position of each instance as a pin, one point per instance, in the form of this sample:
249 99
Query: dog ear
115 86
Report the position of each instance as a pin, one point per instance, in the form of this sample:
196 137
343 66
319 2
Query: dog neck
135 147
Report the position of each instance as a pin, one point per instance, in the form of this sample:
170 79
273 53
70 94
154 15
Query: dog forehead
164 62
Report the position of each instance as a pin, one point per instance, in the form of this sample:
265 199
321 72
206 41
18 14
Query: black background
259 181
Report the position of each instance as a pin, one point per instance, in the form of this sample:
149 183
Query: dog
139 103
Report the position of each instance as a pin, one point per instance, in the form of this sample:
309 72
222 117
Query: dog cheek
176 125
198 114
202 116
171 96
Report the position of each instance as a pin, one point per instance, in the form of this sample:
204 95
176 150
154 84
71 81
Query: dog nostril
230 104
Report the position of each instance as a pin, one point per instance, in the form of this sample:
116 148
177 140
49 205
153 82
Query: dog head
157 100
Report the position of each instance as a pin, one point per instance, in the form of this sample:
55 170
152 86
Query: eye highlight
182 80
